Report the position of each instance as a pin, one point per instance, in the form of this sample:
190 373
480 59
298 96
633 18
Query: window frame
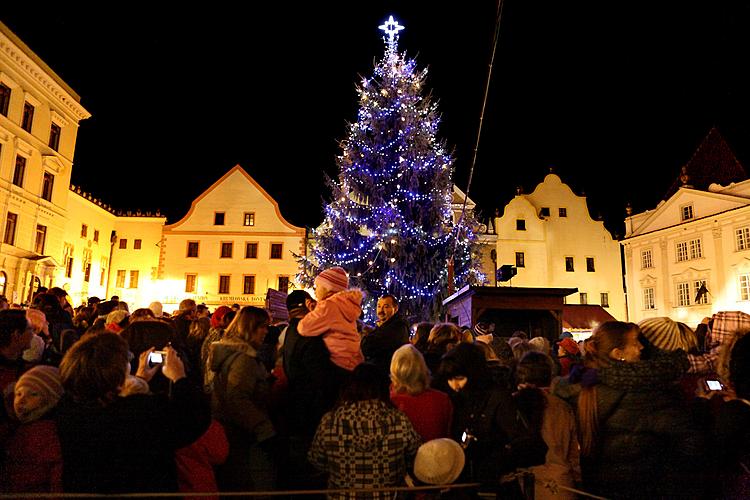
650 259
19 170
590 265
5 95
120 278
686 212
248 278
583 298
10 239
562 212
697 286
134 273
223 218
222 246
55 131
604 299
248 244
123 244
48 185
228 283
281 251
278 283
39 245
544 212
572 267
520 259
520 224
683 294
188 276
197 249
248 216
137 243
649 298
27 117
742 238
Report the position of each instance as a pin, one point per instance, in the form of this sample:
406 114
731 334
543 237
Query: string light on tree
390 224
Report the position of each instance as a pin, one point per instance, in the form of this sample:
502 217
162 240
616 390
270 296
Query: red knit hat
218 314
333 279
570 346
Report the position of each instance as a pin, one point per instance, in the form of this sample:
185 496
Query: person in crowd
633 419
421 334
117 320
157 308
184 319
429 411
335 318
483 327
16 333
443 337
197 334
557 424
33 460
519 346
235 307
311 391
62 298
364 442
568 354
112 444
40 337
83 319
144 335
142 314
102 310
220 320
721 328
201 311
123 306
486 422
730 452
500 372
540 344
439 462
239 401
4 304
58 320
391 332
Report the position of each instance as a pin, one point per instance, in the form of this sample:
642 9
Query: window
69 267
682 252
604 299
218 218
648 298
137 244
251 250
224 283
190 283
28 116
703 299
590 265
520 225
10 229
19 171
284 284
226 249
562 212
248 285
133 279
744 286
249 219
192 249
686 212
48 183
583 298
120 278
646 261
103 271
742 238
4 99
569 267
96 236
87 272
683 294
84 230
696 251
520 260
544 212
123 243
276 250
41 237
54 136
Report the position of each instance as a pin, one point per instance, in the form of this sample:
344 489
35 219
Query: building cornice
35 69
693 222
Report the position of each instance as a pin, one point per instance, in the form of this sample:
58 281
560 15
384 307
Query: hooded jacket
335 318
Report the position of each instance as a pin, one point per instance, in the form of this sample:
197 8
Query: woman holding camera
114 444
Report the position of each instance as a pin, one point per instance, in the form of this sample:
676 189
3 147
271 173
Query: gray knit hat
668 334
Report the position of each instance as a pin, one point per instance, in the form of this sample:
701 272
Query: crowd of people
99 399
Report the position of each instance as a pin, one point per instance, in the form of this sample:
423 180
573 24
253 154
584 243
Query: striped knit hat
667 334
333 279
44 380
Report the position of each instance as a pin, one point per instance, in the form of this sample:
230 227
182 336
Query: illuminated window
520 225
683 294
604 299
248 285
590 265
69 267
696 251
251 250
190 283
226 249
686 212
54 136
96 236
192 248
562 212
218 218
84 230
583 298
41 237
224 283
4 99
10 229
520 259
28 116
569 266
133 279
120 278
284 284
87 272
249 219
744 286
682 251
20 171
276 250
48 183
648 298
646 261
742 238
123 243
136 244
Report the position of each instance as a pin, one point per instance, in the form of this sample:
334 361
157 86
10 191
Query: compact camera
156 358
714 385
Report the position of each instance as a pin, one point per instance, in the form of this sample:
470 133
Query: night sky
615 95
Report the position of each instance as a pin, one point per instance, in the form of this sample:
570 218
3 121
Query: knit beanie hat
439 461
333 279
44 380
668 334
218 315
570 346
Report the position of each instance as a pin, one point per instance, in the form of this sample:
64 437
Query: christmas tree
390 223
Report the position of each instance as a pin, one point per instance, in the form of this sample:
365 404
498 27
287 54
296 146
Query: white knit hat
439 461
334 279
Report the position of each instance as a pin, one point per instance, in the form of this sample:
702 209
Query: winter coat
379 345
731 450
430 412
33 460
129 444
195 473
364 444
335 318
647 444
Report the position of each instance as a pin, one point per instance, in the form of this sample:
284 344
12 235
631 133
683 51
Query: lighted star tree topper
389 222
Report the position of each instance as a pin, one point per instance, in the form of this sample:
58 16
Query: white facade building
553 242
699 236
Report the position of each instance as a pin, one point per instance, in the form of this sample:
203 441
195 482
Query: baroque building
690 256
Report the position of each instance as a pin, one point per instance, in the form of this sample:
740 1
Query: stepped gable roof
713 161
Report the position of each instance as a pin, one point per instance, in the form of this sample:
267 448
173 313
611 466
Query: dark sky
615 95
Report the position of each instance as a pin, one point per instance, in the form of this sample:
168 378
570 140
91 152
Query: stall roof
585 316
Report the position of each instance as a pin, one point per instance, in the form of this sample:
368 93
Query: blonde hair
409 372
246 322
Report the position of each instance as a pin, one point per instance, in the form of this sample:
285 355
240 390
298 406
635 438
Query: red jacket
33 459
195 473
